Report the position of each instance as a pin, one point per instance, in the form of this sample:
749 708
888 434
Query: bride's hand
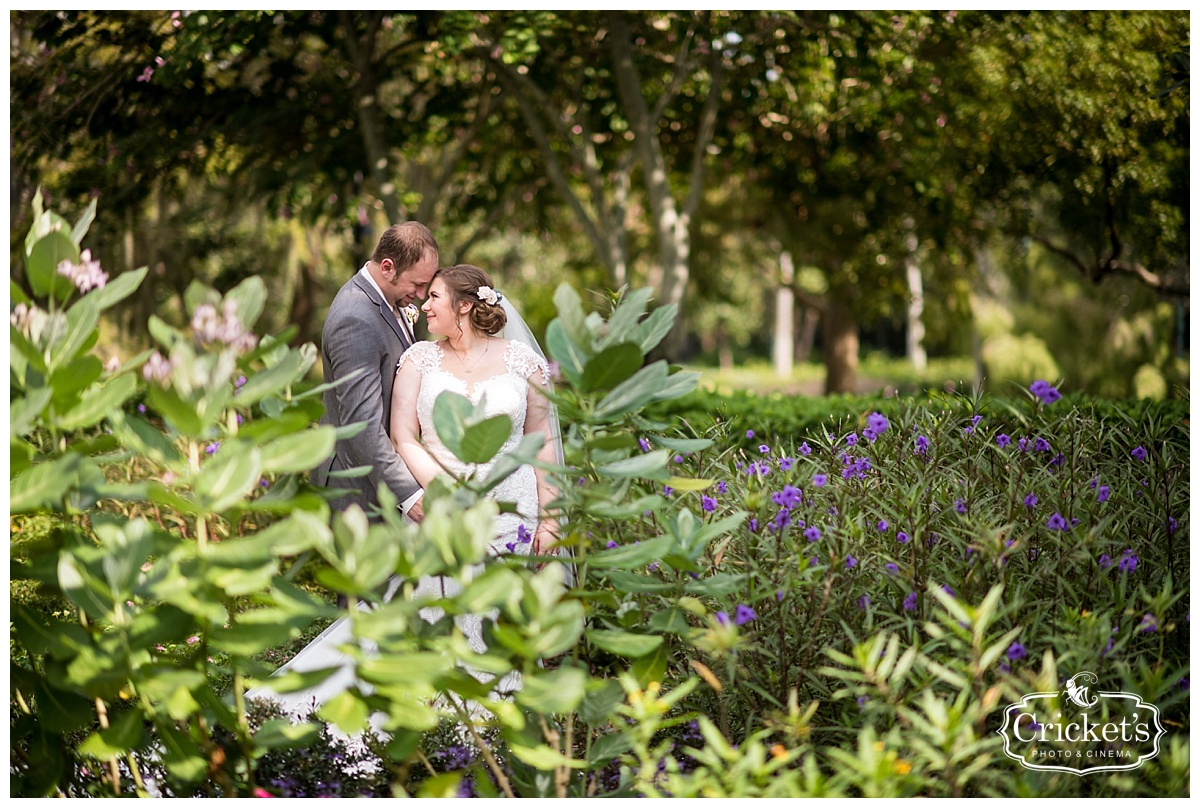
544 539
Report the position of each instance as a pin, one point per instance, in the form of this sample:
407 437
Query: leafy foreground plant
832 615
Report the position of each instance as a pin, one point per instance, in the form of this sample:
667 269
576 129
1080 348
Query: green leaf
227 477
566 352
651 667
610 367
42 265
632 556
62 711
555 692
140 437
481 441
603 696
125 733
608 749
651 465
290 369
544 758
85 221
23 411
451 415
570 314
98 402
175 411
635 392
117 289
625 316
632 582
82 319
654 328
45 484
669 621
682 444
250 296
717 585
443 786
347 711
298 452
623 643
280 733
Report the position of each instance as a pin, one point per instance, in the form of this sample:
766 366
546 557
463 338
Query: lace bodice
505 393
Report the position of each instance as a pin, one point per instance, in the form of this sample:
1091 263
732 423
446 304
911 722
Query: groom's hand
416 512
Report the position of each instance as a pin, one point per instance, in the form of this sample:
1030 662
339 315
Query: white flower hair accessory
412 314
489 295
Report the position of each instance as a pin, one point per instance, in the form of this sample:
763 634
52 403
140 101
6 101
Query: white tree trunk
914 342
785 304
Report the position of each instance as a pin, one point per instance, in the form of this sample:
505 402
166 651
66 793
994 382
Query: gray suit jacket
362 332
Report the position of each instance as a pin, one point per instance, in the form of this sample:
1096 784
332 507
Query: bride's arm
406 429
537 421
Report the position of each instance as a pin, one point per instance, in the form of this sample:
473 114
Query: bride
509 374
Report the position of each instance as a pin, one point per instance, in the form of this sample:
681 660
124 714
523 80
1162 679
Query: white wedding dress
508 393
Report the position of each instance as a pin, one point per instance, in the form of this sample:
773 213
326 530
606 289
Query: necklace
462 361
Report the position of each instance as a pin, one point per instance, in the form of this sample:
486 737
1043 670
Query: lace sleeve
524 362
422 354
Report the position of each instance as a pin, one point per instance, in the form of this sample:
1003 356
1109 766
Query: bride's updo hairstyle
463 282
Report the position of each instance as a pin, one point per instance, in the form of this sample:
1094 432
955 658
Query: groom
366 332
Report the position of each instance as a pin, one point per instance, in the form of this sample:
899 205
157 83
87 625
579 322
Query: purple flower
1057 522
1030 500
1041 445
611 544
678 458
1172 525
851 562
891 568
1128 562
707 504
1104 561
813 533
722 488
946 588
902 537
864 602
1149 624
1058 460
851 439
744 614
812 562
789 496
764 449
1016 651
960 505
786 463
212 448
753 525
1102 493
1045 393
749 434
819 480
723 618
779 596
910 601
523 534
668 490
1138 454
781 520
1023 445
141 408
804 449
645 444
881 525
922 444
877 422
1003 440
263 482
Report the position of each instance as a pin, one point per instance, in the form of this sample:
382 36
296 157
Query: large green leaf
99 401
632 556
43 485
635 392
298 452
290 369
624 318
23 411
571 358
142 438
42 264
608 749
603 696
553 692
177 412
125 733
227 477
451 415
117 289
651 465
82 319
623 643
481 441
85 221
654 328
250 296
610 367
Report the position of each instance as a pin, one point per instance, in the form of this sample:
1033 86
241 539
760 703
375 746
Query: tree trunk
914 339
785 333
366 91
810 318
839 333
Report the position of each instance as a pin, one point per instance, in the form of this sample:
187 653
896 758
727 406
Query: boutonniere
412 314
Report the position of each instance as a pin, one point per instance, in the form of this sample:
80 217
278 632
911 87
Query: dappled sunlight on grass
876 372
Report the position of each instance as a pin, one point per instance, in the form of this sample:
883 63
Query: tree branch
1098 270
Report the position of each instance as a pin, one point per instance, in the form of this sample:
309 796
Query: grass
876 372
